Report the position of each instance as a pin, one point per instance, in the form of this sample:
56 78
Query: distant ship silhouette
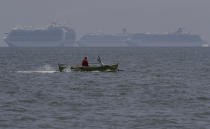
53 35
176 39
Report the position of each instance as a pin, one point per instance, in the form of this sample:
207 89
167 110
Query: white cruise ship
103 40
176 39
53 35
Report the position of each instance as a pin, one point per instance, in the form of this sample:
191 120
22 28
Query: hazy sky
109 16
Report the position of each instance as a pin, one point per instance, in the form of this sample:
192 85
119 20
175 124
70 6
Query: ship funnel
180 31
124 30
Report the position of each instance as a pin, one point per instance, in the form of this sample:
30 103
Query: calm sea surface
159 88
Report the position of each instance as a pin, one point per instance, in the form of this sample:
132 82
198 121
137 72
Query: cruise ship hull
165 44
102 44
40 44
141 44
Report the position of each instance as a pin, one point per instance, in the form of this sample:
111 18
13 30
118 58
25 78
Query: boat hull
104 68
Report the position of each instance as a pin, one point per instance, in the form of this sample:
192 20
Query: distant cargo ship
176 39
53 35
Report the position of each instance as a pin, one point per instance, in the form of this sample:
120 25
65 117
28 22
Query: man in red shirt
85 62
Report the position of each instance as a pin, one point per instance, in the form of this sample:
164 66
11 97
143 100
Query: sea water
157 88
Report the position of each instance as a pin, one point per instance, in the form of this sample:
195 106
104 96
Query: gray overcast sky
109 16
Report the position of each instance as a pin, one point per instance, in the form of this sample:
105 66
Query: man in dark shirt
85 62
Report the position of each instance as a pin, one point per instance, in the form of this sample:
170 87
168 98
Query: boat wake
67 70
37 71
43 69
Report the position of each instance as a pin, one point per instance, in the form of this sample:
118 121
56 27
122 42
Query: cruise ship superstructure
53 35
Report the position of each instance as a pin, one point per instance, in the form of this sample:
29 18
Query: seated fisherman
85 62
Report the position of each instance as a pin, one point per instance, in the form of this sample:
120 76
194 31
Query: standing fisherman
99 61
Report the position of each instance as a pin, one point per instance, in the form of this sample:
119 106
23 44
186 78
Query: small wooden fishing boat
102 68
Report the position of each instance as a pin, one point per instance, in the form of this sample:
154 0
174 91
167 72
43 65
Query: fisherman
85 62
99 61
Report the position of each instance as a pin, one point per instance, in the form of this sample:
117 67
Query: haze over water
109 16
158 88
